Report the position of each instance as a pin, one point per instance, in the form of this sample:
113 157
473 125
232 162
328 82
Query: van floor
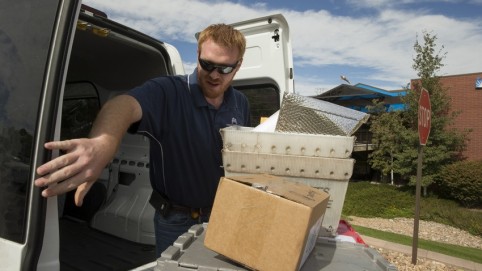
84 248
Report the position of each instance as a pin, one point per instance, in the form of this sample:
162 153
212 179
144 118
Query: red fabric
344 228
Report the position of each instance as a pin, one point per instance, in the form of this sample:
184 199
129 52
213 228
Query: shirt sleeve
152 99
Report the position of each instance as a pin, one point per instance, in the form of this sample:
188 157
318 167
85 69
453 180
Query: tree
387 141
444 144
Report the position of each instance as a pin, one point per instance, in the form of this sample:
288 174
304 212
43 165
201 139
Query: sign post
424 120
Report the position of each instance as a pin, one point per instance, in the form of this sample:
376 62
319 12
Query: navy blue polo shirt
185 142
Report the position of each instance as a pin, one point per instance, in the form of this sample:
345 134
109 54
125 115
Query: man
181 115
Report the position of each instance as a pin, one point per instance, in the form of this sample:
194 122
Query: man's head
225 36
220 54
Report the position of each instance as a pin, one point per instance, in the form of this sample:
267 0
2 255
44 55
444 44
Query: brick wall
467 99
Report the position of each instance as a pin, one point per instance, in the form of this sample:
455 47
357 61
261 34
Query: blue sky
368 41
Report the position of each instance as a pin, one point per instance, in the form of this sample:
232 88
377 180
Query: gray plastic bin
188 253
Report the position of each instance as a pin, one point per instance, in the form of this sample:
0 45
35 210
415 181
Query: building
465 91
358 97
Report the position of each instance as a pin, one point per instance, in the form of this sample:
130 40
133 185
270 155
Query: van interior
113 229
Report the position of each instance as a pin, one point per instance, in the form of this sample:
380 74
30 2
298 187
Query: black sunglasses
222 69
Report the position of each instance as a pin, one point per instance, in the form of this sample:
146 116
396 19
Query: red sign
424 116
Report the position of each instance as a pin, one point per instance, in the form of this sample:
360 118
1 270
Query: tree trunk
391 171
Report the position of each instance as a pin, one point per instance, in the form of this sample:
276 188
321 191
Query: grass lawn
364 199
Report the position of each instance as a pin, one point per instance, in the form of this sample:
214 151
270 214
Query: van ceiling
114 62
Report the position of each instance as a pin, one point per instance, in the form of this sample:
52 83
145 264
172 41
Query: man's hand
79 168
85 158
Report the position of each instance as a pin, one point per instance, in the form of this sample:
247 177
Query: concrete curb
422 253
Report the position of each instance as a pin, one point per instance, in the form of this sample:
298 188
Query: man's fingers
60 161
60 145
81 192
59 169
62 187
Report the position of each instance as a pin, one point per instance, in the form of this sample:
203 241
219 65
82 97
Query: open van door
60 61
267 69
35 37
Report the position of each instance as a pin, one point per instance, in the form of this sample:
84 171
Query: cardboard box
265 222
335 188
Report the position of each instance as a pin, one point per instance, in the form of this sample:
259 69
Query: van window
264 101
25 36
80 107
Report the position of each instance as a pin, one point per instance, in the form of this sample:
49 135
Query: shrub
462 182
449 212
365 199
377 200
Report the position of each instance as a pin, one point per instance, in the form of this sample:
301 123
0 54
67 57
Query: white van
60 61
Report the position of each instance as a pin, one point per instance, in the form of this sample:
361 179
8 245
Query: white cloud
311 85
178 19
384 42
381 4
381 42
189 67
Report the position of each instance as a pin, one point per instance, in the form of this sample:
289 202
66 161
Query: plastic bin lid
188 253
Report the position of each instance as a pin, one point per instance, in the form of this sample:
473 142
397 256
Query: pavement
422 253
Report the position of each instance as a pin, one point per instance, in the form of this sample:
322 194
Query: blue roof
359 96
397 93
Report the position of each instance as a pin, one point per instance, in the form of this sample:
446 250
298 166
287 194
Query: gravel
428 231
404 262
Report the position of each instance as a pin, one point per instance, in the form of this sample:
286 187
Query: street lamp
345 79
